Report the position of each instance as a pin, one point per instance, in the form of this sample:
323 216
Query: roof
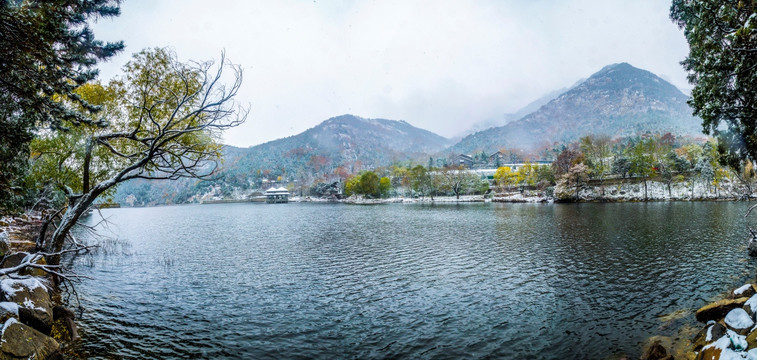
277 191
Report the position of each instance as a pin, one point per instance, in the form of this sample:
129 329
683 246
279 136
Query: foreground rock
713 331
745 291
22 342
719 309
656 351
730 332
34 306
739 321
729 346
752 247
26 306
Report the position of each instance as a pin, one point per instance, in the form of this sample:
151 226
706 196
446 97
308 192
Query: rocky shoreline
730 331
35 324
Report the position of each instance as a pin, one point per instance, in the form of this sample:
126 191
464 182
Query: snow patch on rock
8 323
31 306
9 307
739 319
752 302
11 286
742 289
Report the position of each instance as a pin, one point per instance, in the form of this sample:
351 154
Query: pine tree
722 37
47 50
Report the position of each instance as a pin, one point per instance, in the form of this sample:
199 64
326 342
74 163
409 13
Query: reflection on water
408 281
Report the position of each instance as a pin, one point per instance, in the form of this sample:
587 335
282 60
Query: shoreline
729 330
609 192
36 323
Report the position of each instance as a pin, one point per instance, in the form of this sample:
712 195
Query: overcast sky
439 65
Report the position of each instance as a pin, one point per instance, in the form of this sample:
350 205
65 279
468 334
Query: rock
739 321
745 291
23 342
12 260
709 354
16 259
750 306
710 333
5 245
34 271
34 306
656 351
751 340
752 247
718 309
64 324
730 346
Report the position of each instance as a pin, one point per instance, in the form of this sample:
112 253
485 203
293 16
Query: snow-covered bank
612 191
359 200
655 191
623 191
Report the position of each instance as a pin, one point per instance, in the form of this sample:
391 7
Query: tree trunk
68 220
577 188
645 190
87 161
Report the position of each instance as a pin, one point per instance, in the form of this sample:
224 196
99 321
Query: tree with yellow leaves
161 120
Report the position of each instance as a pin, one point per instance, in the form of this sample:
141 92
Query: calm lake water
510 281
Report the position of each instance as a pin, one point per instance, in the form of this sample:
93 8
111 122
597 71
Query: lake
511 281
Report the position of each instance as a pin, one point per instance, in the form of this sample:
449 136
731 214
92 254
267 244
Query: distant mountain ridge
618 100
347 140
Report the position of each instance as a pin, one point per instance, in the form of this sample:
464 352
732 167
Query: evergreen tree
722 37
47 50
621 166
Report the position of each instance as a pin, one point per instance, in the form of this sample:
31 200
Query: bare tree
165 123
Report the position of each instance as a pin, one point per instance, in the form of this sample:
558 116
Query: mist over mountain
619 100
510 117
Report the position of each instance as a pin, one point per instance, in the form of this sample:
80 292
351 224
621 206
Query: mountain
619 100
346 140
336 147
510 117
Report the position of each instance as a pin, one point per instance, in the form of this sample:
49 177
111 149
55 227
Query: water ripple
320 281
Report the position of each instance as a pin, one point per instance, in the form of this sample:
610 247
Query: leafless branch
750 210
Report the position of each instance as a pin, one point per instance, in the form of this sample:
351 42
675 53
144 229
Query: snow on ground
656 190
